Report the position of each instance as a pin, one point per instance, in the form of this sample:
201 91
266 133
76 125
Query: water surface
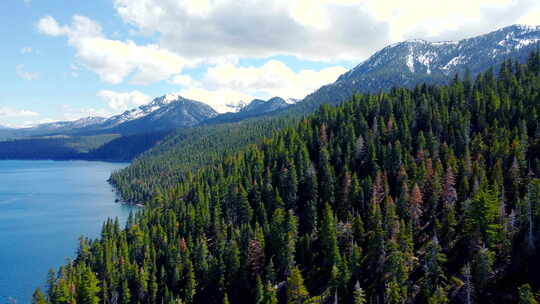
44 207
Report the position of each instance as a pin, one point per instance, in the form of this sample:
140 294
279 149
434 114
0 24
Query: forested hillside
430 195
185 150
108 147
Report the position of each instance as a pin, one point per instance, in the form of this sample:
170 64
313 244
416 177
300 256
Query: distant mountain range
164 113
412 62
404 64
62 126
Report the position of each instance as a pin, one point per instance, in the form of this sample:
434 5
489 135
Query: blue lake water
44 207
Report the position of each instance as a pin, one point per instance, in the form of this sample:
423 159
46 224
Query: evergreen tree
39 297
296 291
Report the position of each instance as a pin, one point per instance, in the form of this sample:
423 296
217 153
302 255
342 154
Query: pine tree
526 296
226 299
259 291
434 275
39 297
296 291
89 289
359 296
415 205
329 244
483 267
270 296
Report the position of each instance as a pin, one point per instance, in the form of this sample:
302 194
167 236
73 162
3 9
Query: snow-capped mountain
164 113
408 63
264 106
292 100
167 112
259 105
255 108
67 125
234 107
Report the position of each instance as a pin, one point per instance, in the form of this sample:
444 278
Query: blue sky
63 60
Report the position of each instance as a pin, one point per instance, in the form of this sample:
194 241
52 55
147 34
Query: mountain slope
164 113
513 41
409 196
256 108
264 106
413 62
119 138
63 126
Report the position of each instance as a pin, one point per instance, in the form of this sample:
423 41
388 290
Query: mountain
256 108
234 107
60 126
120 137
405 64
406 198
52 128
412 62
164 113
167 112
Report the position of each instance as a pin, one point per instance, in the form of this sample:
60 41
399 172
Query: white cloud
70 113
450 20
114 60
218 99
26 50
22 73
335 29
532 17
8 112
219 33
271 79
185 80
120 102
227 84
48 25
313 29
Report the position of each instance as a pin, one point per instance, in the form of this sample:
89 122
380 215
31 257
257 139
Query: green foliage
38 297
397 191
526 296
296 291
189 149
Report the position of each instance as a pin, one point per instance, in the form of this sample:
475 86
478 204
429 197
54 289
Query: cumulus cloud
227 84
70 113
185 81
220 100
48 25
454 20
321 30
26 50
219 33
8 112
24 74
122 101
327 30
114 60
272 78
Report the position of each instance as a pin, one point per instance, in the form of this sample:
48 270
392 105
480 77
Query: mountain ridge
415 61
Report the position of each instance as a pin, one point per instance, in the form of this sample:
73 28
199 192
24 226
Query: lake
44 207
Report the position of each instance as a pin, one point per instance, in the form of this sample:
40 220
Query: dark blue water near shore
44 207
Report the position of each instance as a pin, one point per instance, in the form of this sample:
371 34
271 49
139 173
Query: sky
64 60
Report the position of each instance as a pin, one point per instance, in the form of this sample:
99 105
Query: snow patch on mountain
410 61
